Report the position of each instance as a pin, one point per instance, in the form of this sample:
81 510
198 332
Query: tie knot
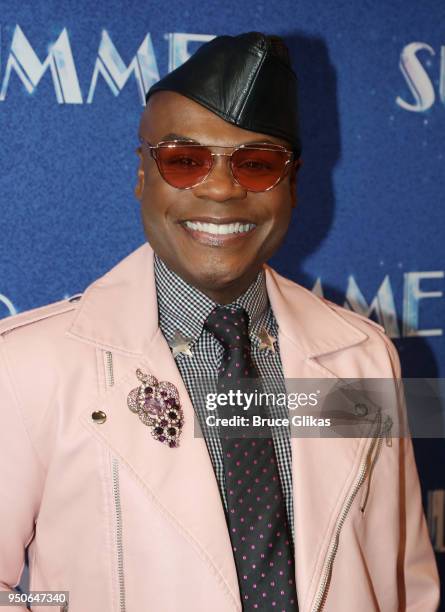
229 326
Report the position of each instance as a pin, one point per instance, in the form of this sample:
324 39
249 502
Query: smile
218 229
218 234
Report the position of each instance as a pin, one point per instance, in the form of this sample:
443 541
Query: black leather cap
247 80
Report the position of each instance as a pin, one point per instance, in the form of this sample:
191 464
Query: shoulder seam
37 314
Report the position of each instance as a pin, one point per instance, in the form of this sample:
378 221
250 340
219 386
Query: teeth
216 228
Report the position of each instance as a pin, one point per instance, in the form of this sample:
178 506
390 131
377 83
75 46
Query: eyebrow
174 136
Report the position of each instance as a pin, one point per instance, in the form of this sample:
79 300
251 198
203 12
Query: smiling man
111 476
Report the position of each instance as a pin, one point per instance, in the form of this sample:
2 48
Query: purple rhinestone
170 401
164 423
161 438
172 444
159 431
163 393
153 406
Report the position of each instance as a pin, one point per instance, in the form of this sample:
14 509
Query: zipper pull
386 429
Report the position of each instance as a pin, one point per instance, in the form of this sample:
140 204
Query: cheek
279 210
157 197
155 186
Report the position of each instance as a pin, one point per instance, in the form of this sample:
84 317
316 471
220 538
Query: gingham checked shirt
184 308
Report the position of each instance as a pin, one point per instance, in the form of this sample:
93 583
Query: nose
220 185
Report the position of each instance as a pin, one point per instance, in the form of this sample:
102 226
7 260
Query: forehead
168 112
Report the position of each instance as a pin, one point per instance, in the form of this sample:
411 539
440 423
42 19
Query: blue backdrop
368 229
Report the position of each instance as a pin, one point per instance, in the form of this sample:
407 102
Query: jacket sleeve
21 482
418 580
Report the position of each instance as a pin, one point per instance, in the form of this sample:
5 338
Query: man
121 500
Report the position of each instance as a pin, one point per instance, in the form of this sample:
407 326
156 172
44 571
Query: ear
293 180
139 188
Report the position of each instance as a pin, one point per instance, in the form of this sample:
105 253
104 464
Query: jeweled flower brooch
157 405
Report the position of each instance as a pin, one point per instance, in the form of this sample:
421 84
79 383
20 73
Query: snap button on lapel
99 417
361 409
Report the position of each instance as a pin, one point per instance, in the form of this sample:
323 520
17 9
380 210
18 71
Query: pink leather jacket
126 524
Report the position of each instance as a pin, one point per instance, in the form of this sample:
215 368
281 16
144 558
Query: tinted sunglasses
254 167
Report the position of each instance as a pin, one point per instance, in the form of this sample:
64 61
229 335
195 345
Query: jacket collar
119 311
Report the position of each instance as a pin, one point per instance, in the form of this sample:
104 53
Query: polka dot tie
257 522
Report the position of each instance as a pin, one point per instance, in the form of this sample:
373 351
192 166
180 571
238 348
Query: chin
212 277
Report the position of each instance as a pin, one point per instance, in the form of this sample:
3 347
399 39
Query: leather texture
242 80
113 515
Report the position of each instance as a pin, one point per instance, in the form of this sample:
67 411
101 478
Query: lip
219 240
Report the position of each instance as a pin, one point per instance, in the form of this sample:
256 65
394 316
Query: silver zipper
385 429
120 551
109 379
371 469
327 570
109 376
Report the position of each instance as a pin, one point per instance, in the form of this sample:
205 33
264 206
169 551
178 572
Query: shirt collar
184 308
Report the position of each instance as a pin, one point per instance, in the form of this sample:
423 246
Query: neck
219 293
229 292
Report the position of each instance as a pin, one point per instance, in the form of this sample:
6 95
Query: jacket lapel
119 314
323 469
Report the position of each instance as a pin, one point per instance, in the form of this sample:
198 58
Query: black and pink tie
259 531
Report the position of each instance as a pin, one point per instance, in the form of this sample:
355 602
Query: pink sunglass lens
184 166
258 169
